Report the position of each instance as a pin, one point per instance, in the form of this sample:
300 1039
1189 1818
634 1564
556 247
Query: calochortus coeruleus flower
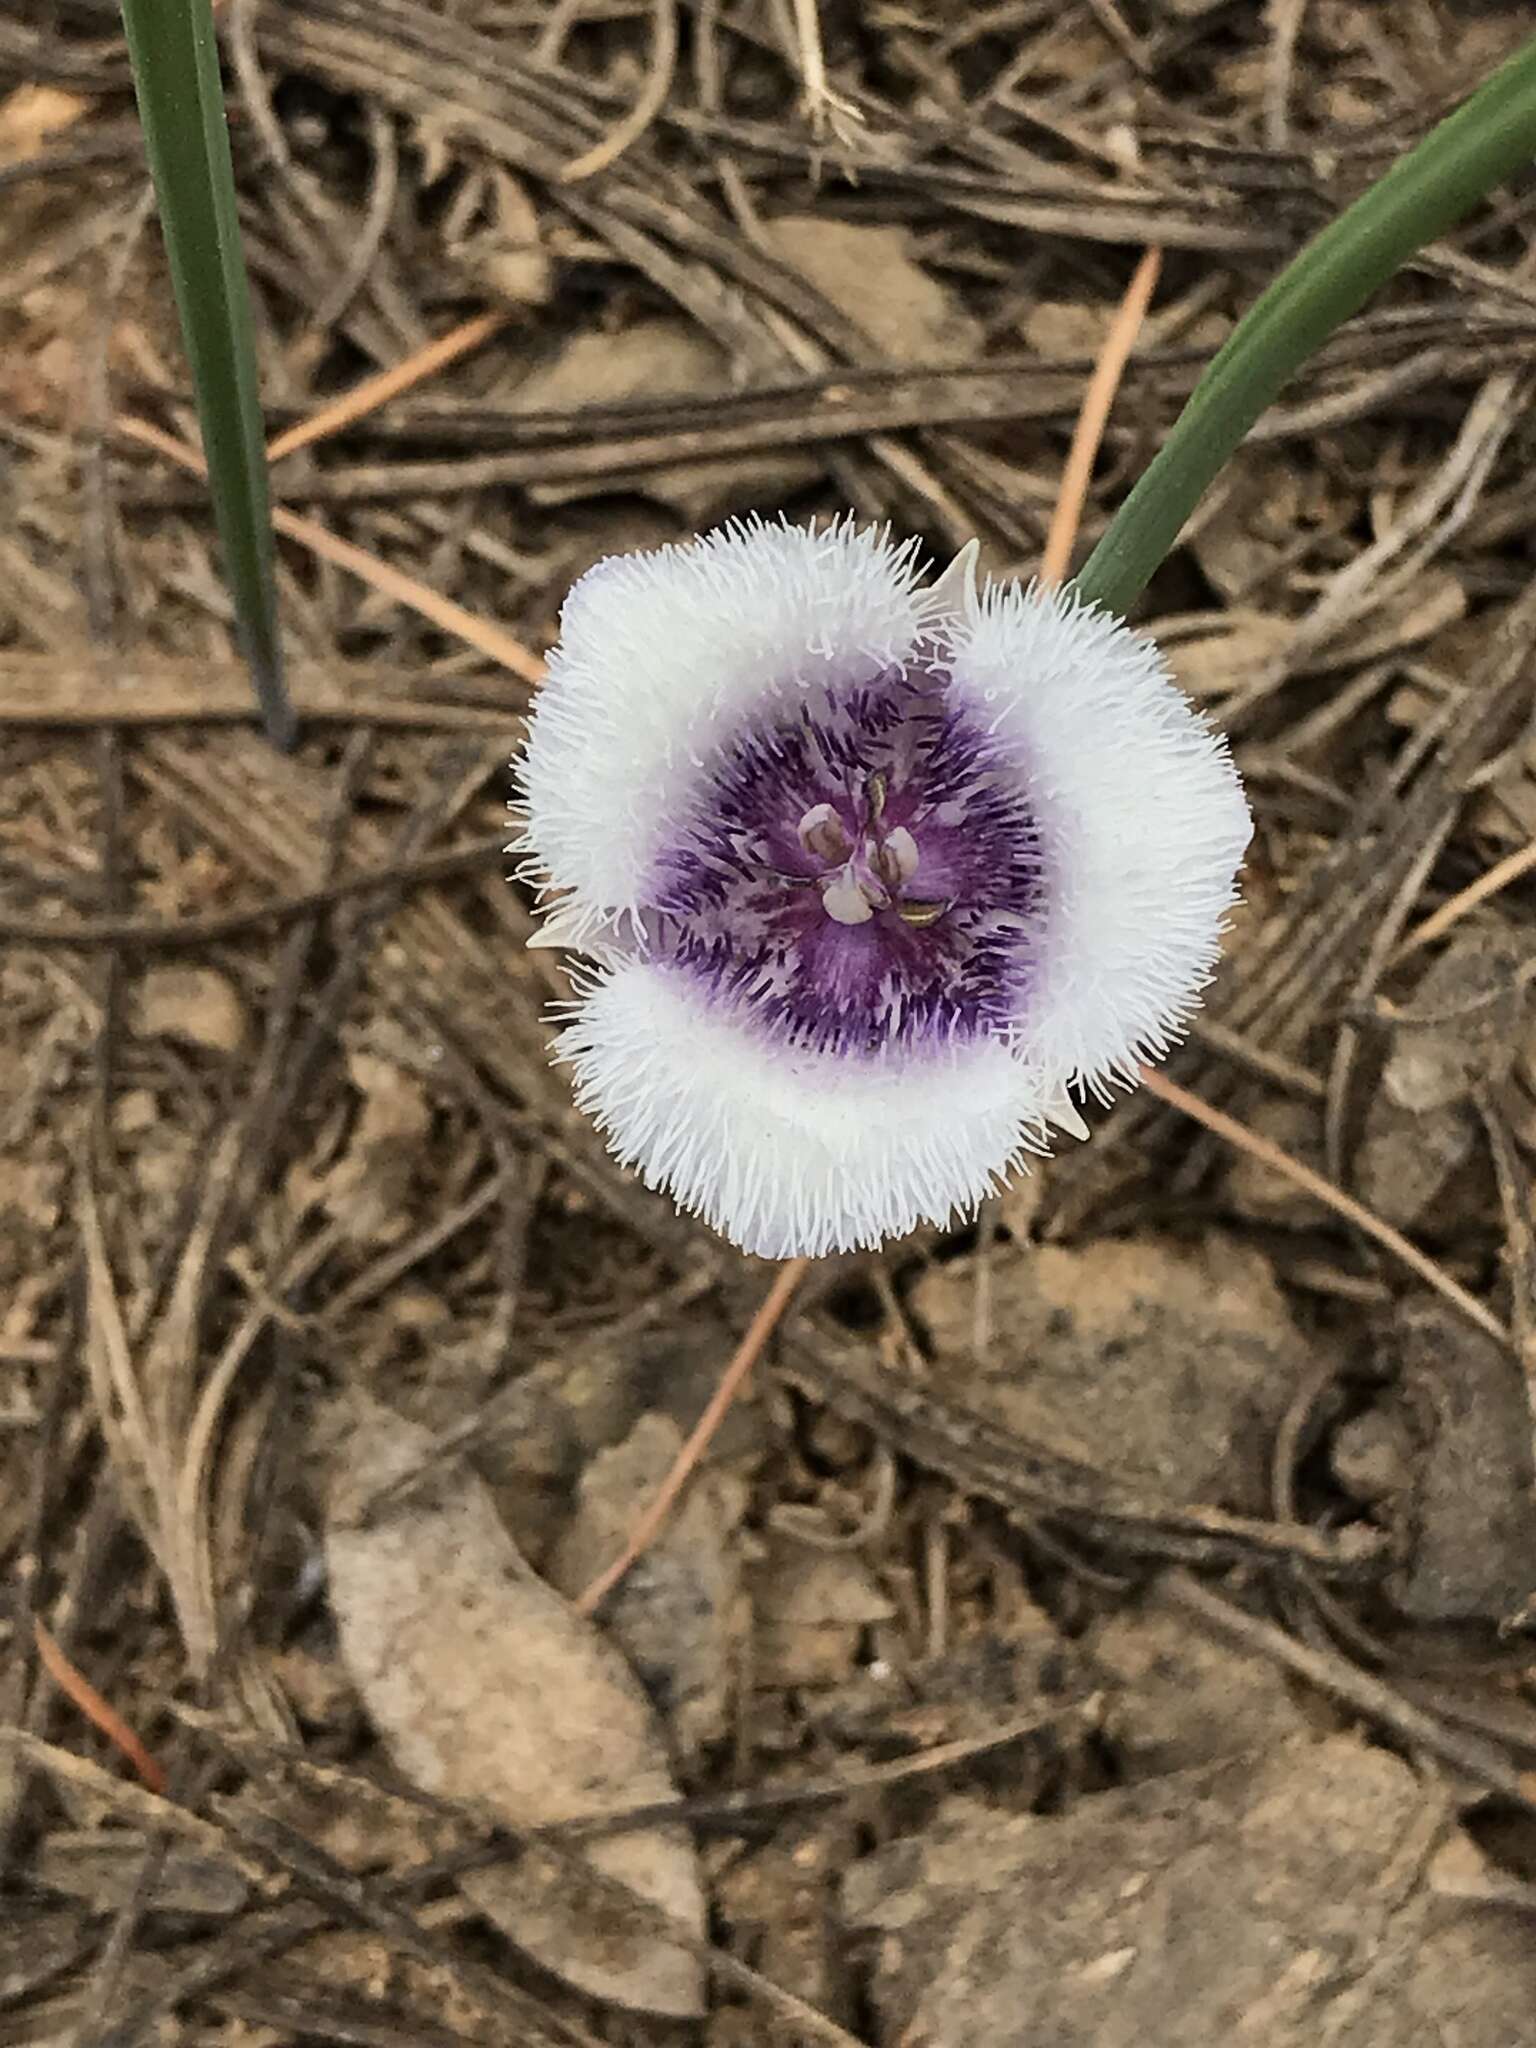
873 876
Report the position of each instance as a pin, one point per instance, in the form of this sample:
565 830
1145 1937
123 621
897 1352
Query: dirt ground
1106 1627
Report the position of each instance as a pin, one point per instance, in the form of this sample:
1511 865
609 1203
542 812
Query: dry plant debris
934 1747
542 1720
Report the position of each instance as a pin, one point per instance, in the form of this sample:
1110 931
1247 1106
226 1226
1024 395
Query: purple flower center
860 869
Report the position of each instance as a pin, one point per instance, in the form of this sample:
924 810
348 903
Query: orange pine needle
1094 416
468 626
1499 876
375 391
77 1688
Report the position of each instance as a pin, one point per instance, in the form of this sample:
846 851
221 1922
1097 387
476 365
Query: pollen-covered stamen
861 869
871 879
821 832
898 857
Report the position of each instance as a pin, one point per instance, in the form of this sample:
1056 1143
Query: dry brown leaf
1466 1527
1408 1159
195 1005
656 359
1460 1029
1249 522
505 253
487 1688
872 276
1182 1699
1259 1192
1460 1870
31 114
1434 601
1239 648
812 1609
1063 330
674 1613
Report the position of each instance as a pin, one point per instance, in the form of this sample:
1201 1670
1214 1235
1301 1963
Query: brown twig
155 935
79 691
1332 1673
653 97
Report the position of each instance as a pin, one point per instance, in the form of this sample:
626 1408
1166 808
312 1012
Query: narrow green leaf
175 60
1487 138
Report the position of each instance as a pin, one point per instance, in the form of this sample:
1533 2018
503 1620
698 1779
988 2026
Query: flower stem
1487 138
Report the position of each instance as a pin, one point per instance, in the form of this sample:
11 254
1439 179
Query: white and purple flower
874 875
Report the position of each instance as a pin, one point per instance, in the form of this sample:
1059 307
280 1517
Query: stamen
822 832
921 915
815 914
898 857
845 902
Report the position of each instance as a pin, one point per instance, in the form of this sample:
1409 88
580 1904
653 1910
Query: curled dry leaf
487 1688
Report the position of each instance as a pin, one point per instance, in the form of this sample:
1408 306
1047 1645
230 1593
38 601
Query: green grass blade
1490 136
175 62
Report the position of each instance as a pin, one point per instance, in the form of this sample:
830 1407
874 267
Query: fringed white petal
1142 818
661 655
788 1154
